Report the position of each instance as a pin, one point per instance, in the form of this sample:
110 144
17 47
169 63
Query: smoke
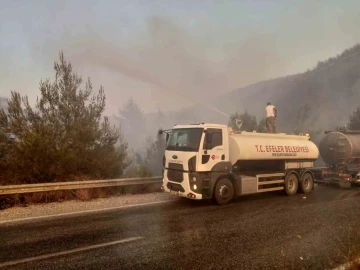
165 59
166 66
162 65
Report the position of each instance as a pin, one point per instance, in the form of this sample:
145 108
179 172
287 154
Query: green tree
354 120
154 154
249 122
307 121
160 117
340 128
138 167
65 136
261 128
150 161
6 141
132 120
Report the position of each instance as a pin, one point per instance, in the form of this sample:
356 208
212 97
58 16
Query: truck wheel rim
291 184
224 192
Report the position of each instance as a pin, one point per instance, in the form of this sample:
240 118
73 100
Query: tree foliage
306 121
133 122
65 135
249 122
138 167
354 120
150 161
154 154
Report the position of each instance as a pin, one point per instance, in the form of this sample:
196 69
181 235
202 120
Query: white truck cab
206 161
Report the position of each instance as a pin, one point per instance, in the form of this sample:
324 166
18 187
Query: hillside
324 97
319 99
316 100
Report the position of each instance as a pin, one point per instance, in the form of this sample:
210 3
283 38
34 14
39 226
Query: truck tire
291 184
306 183
224 191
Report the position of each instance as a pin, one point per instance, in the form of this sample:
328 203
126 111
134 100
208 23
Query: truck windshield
185 139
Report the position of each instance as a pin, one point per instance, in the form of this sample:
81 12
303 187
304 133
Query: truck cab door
213 149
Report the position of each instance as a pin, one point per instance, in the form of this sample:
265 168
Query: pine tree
154 154
65 135
132 121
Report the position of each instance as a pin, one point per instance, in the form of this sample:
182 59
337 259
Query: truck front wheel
224 191
291 184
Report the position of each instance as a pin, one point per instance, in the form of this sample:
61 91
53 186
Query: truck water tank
264 146
340 147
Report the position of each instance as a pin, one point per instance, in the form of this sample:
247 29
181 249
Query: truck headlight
195 187
194 179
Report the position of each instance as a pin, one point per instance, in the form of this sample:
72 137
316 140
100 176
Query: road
264 231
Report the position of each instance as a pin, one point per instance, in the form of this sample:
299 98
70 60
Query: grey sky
202 48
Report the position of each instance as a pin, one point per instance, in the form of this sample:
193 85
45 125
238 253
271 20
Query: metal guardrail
30 188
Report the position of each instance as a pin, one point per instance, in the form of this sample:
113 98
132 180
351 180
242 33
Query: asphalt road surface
264 231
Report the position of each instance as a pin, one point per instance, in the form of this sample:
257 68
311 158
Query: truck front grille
175 176
175 172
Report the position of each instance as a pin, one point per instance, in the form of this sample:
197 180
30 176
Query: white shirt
270 110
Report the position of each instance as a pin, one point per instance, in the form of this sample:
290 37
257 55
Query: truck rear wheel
306 183
291 184
224 191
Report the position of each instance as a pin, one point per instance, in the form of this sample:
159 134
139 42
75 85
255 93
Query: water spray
140 75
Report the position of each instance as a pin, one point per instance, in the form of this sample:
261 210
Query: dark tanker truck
340 151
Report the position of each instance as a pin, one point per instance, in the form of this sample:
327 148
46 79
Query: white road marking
83 212
47 256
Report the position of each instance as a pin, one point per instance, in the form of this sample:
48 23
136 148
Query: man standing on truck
271 114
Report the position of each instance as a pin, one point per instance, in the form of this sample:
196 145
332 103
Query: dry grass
101 192
80 194
6 202
34 198
83 194
19 199
46 197
354 266
59 196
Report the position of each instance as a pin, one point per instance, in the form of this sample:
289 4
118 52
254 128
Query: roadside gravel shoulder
65 207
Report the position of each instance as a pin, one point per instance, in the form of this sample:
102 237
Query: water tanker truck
211 161
340 151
